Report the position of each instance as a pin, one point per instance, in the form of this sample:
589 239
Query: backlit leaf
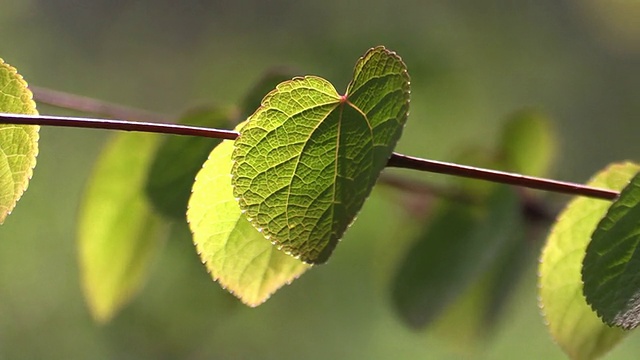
18 143
611 271
118 234
308 157
178 160
234 252
571 322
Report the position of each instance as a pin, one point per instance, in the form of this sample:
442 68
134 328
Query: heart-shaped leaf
308 157
571 322
234 252
18 143
611 271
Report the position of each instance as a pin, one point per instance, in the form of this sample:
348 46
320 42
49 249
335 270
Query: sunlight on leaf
234 252
178 160
611 271
308 157
571 322
118 234
18 143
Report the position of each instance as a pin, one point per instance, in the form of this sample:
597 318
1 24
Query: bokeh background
472 64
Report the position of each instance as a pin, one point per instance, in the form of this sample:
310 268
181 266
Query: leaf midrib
338 104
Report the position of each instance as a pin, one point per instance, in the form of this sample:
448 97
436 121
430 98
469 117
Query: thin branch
396 160
64 100
110 124
414 163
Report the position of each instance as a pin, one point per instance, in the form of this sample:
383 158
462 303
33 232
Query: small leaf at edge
570 320
611 270
18 143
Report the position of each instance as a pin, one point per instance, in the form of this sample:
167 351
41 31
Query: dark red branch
396 160
90 123
410 162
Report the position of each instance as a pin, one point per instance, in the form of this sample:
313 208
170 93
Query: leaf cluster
266 207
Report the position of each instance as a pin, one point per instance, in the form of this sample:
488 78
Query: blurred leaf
177 162
308 158
268 82
528 143
18 143
420 289
462 321
517 258
472 317
235 253
458 246
118 234
571 322
611 266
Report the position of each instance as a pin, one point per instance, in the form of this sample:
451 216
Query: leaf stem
396 160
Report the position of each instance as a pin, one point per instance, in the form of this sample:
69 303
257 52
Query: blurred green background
471 64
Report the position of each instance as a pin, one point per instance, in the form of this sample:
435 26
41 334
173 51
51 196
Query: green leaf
611 271
571 322
18 143
457 248
234 252
177 162
528 143
308 157
118 234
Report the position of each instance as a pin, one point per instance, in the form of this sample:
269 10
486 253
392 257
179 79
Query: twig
414 163
396 160
112 124
88 105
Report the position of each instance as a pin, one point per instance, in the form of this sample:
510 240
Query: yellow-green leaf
118 234
234 252
571 321
18 143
